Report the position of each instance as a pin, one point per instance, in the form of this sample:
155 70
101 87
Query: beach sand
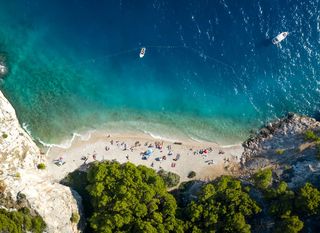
206 165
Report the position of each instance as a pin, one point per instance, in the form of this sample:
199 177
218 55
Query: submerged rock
3 66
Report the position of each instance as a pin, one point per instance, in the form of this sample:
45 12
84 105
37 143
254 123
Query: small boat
142 52
280 37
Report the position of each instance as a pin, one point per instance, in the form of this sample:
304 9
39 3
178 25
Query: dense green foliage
289 224
221 207
20 221
287 206
170 179
263 179
127 198
308 200
280 199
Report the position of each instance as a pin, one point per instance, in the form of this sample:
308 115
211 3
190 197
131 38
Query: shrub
280 151
41 166
192 174
75 218
4 135
263 179
17 175
310 135
170 179
20 221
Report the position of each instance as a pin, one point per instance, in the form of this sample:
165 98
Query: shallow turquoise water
209 72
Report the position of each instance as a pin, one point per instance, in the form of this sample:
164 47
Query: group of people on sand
166 152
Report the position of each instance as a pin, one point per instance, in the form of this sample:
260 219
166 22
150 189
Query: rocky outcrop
282 145
19 157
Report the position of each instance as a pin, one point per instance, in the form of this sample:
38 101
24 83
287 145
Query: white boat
142 52
280 37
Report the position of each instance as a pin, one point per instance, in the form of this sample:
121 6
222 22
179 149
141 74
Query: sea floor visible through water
210 71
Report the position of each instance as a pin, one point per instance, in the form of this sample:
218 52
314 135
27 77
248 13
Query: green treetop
308 200
127 198
221 207
289 224
263 179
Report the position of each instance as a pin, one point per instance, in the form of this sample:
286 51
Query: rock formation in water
19 176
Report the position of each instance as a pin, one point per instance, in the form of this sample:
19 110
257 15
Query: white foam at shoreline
88 134
68 143
159 137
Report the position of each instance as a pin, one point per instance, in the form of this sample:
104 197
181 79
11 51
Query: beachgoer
85 161
111 142
127 157
94 157
221 152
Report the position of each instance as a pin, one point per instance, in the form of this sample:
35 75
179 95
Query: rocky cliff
282 145
19 157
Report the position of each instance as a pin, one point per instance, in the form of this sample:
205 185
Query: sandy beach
208 160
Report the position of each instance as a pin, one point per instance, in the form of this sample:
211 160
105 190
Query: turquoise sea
210 71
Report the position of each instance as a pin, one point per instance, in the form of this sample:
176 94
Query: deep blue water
210 71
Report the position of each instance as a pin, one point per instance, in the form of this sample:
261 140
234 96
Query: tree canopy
289 224
20 221
280 199
263 179
222 206
127 198
308 200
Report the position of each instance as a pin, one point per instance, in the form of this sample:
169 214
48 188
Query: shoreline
129 147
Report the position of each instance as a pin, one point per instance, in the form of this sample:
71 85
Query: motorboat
142 52
280 37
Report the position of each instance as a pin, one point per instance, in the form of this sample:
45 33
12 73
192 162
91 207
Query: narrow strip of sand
208 160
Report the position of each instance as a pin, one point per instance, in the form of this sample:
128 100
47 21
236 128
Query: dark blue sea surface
210 71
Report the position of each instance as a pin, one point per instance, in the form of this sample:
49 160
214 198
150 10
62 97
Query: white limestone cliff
19 157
